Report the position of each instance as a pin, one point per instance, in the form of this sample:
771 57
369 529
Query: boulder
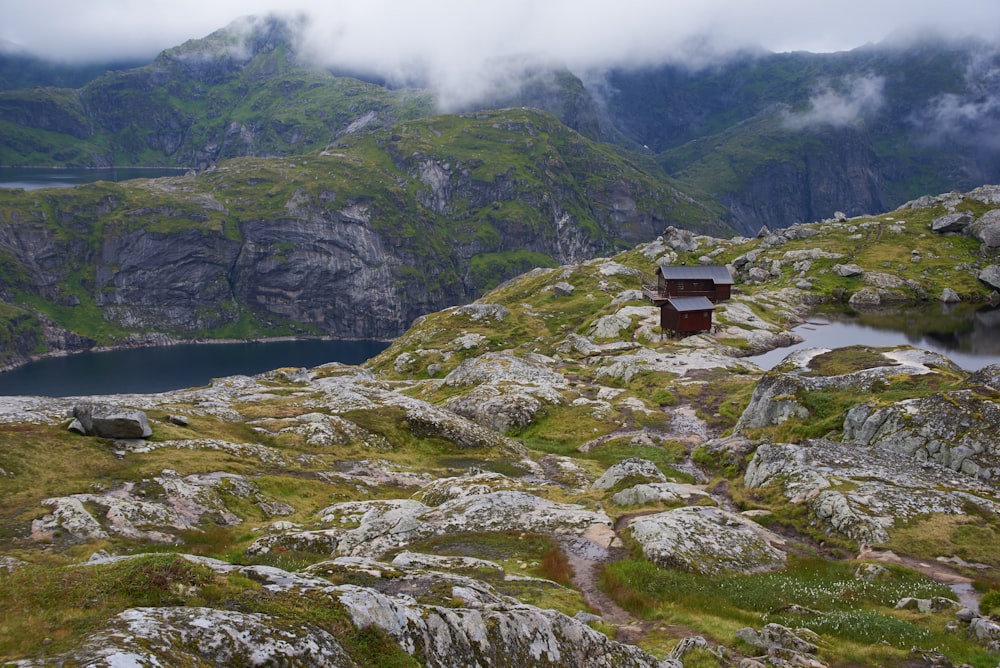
479 312
503 408
562 289
989 375
987 229
991 276
949 296
953 222
633 469
499 367
446 489
847 270
682 241
927 605
374 527
707 540
659 492
866 297
610 326
106 421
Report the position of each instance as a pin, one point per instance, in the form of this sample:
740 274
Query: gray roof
718 274
685 304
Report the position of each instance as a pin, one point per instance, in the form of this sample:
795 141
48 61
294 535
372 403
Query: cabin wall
687 322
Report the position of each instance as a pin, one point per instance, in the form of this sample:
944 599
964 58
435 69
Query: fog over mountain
463 49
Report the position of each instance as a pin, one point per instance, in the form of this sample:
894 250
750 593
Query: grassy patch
848 360
857 615
65 604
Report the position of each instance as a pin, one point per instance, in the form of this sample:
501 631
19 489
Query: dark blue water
32 178
147 370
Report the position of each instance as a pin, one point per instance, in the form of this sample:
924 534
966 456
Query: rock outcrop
707 540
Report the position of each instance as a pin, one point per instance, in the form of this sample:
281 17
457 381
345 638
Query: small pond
968 335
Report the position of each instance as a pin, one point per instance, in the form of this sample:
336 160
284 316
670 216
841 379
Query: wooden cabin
711 281
686 315
686 296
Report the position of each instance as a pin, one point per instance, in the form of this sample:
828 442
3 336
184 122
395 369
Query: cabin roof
718 274
688 304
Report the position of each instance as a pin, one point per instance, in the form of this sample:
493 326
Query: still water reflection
146 370
967 335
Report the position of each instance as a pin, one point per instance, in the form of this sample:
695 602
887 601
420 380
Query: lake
159 369
32 178
967 335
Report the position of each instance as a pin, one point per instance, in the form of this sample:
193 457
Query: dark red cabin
686 315
711 281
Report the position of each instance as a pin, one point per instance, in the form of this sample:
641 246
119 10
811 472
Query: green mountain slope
355 241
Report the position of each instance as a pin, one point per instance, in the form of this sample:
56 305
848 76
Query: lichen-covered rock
371 528
661 492
926 605
634 469
949 296
610 326
446 489
860 492
502 409
152 510
989 376
776 399
498 367
955 429
784 647
192 636
478 311
707 540
847 270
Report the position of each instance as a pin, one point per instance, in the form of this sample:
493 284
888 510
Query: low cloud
850 101
968 119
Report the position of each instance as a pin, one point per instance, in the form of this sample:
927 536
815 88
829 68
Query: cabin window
680 285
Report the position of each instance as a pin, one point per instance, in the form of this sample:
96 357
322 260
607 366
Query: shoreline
171 342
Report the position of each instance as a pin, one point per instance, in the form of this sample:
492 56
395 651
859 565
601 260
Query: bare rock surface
707 540
861 492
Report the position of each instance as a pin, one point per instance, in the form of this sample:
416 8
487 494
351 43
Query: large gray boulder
987 229
707 540
108 421
953 222
991 276
634 469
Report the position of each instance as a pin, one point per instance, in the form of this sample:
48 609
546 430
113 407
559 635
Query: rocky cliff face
355 243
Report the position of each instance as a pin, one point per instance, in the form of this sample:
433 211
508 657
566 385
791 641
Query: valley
543 461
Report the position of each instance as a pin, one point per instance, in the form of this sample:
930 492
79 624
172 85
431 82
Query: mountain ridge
245 91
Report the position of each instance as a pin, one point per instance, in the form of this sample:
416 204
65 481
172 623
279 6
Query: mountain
774 139
782 138
352 242
540 478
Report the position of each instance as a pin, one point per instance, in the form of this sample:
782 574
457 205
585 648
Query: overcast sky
574 31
